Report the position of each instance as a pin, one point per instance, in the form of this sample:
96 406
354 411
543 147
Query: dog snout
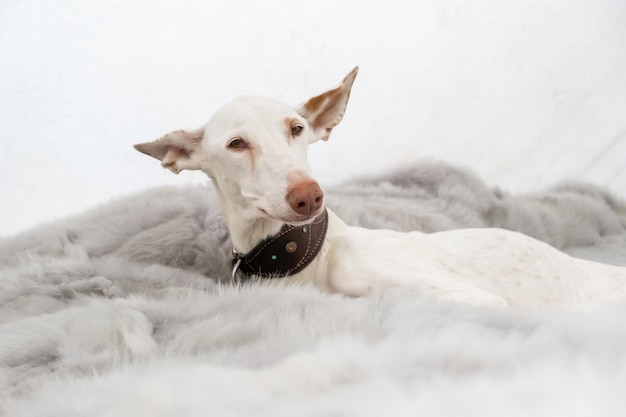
305 197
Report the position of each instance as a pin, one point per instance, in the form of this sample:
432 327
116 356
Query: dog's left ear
177 150
325 111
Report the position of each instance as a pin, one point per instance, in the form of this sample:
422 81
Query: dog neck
245 227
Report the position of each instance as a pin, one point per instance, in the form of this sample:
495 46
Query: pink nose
305 197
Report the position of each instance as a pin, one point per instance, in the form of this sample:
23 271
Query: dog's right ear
177 150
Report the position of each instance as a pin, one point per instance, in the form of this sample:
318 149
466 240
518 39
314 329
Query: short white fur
490 267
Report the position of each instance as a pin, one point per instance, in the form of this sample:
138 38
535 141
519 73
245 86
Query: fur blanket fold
128 310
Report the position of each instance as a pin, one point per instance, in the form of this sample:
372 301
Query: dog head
255 151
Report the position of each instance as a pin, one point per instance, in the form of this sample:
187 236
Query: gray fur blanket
127 310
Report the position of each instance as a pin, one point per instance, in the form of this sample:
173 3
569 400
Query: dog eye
296 130
238 144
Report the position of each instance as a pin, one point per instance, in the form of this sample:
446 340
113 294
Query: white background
525 92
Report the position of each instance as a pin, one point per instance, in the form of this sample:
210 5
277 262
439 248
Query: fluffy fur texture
128 310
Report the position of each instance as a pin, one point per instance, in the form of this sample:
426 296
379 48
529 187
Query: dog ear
177 150
325 111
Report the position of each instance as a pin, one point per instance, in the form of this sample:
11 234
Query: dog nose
305 197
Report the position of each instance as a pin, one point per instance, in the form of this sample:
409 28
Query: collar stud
291 247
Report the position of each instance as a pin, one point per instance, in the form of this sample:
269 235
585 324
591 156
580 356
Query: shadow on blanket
127 310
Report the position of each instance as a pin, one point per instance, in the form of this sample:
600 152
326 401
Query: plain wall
525 92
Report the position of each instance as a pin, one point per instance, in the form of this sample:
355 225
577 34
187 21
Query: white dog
255 151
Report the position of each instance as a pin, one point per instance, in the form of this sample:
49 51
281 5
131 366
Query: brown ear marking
326 110
174 150
314 104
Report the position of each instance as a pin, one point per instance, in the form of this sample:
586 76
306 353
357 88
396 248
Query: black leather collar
288 252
